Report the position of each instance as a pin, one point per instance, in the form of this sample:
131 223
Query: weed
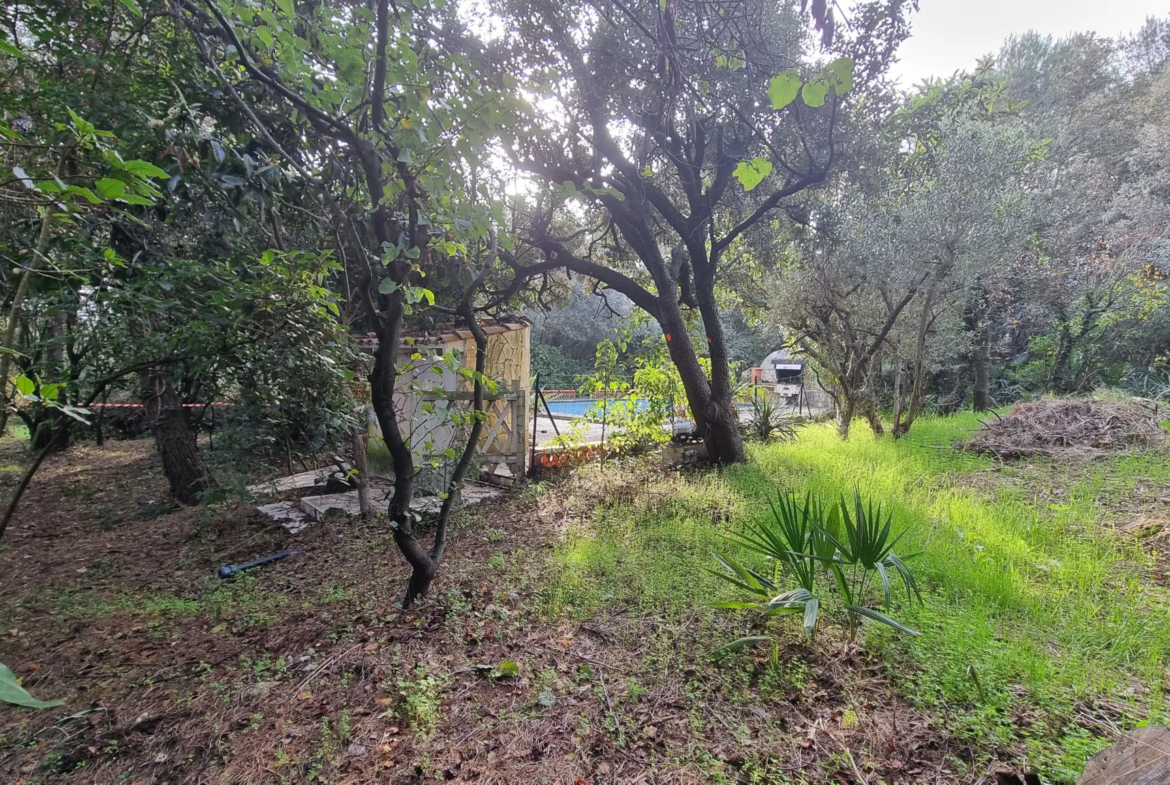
243 605
337 593
420 697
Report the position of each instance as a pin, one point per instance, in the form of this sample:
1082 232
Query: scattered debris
1084 427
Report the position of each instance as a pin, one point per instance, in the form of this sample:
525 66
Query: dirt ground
307 671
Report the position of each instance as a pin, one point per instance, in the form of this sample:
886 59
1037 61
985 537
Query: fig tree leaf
814 92
751 173
783 88
842 70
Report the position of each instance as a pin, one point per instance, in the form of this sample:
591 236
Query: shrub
810 542
768 419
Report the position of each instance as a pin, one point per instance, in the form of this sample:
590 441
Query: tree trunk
957 397
14 310
724 441
981 366
716 416
975 320
871 416
362 464
845 409
918 380
182 463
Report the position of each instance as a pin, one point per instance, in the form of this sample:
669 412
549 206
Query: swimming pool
576 407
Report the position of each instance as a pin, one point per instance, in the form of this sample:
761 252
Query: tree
673 134
390 137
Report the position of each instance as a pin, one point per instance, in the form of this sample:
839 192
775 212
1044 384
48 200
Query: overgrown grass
1035 608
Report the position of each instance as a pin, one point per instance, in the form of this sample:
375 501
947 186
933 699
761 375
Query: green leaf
9 49
509 669
144 169
109 188
84 193
133 7
881 568
737 646
264 36
647 172
814 91
810 615
387 286
842 69
870 613
25 385
783 88
134 199
49 391
12 692
285 6
751 173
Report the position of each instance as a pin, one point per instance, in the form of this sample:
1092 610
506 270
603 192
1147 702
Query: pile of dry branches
1084 427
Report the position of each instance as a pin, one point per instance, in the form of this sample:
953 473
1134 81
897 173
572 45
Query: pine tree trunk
182 463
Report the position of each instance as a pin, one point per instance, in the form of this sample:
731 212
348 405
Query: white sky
948 35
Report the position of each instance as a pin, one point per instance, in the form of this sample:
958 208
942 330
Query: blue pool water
576 407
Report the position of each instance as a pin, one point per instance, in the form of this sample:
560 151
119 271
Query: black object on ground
228 570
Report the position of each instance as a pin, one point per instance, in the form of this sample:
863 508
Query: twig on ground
612 711
329 663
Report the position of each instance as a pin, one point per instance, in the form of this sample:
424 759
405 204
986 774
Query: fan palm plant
806 541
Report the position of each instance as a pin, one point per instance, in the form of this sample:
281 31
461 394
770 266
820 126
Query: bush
768 420
810 542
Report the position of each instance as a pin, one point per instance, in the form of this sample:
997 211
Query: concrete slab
292 482
287 514
315 507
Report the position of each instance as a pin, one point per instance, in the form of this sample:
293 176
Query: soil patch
307 671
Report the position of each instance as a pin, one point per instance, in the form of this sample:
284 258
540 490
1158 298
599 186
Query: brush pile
1073 428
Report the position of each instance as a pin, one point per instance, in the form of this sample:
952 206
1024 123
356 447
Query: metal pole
548 410
532 463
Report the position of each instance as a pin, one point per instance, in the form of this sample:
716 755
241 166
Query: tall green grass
1035 607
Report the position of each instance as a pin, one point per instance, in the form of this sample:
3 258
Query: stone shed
433 389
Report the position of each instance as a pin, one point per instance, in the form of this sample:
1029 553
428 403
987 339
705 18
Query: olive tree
664 139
